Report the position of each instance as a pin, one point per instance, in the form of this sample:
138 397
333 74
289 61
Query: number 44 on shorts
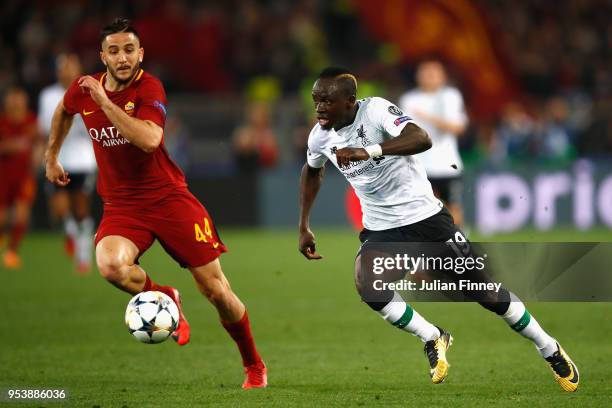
206 235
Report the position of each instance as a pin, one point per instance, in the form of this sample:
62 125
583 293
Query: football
151 317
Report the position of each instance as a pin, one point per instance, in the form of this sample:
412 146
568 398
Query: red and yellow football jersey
127 174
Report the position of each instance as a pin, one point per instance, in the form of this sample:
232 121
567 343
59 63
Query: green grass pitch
322 346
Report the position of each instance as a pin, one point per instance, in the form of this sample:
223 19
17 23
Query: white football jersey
393 190
443 159
76 154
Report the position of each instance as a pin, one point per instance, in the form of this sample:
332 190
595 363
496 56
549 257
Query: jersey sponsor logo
160 106
361 134
87 113
394 110
107 136
357 172
129 108
401 120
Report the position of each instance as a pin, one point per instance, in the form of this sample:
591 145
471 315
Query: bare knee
111 268
216 289
212 283
214 286
81 206
60 205
113 260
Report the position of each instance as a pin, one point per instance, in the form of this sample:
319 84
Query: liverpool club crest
361 134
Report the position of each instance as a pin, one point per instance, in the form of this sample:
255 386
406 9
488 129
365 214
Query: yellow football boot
435 350
564 369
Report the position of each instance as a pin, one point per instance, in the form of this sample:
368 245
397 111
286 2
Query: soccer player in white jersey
373 144
439 110
71 204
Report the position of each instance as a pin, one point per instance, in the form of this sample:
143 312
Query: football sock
519 319
17 233
150 285
84 241
240 331
401 315
71 228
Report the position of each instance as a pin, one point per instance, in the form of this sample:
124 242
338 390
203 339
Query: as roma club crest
129 108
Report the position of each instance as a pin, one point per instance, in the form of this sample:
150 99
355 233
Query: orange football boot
256 376
182 333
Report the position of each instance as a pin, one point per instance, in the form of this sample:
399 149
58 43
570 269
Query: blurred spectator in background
549 135
71 204
555 46
555 135
20 155
439 109
255 145
554 50
596 141
514 133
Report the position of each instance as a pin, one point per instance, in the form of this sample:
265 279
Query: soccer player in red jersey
18 140
144 193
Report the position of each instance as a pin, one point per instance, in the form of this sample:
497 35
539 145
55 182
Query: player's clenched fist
55 173
307 245
95 89
347 154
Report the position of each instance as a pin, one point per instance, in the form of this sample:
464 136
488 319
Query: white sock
71 228
519 319
401 315
84 241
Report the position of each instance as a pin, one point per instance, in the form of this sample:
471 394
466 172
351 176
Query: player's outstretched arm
143 134
310 182
60 125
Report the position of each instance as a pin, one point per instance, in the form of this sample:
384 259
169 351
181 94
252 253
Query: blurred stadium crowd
558 54
561 53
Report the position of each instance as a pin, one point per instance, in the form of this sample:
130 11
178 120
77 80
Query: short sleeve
152 102
454 109
388 117
71 98
314 157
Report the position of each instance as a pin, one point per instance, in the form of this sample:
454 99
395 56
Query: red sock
17 233
240 331
150 285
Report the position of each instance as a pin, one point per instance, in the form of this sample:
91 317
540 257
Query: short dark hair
345 78
119 25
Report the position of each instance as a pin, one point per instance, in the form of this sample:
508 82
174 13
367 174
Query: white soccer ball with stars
151 317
